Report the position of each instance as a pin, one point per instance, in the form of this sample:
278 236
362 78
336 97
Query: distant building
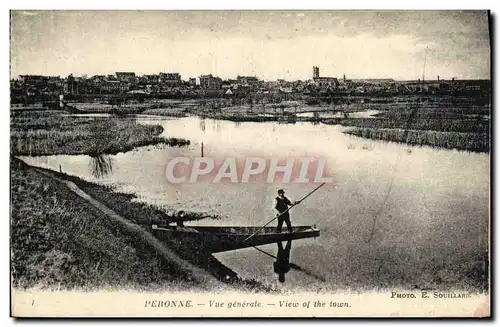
39 80
125 77
315 72
98 78
247 81
114 86
374 81
272 85
323 82
152 79
32 79
326 82
192 82
210 82
286 89
170 79
231 84
71 85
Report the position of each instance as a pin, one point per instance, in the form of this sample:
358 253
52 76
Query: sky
266 44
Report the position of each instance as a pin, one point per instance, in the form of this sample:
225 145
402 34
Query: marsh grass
461 126
168 112
432 124
475 142
48 133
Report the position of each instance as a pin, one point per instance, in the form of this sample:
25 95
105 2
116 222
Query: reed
432 124
53 133
474 142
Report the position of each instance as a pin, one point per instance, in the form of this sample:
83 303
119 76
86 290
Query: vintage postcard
265 163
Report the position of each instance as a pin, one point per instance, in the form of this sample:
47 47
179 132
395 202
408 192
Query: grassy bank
58 240
51 132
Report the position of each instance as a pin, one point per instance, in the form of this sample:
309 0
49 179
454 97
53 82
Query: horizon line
261 79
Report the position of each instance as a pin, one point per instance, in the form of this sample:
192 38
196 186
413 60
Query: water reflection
202 125
101 165
282 264
217 126
316 118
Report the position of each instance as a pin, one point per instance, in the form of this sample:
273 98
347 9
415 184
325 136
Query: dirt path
198 274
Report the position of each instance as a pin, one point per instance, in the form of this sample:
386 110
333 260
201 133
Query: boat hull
228 238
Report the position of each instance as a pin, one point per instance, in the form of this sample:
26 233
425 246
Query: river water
395 215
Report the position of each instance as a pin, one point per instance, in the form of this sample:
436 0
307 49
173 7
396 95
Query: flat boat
227 238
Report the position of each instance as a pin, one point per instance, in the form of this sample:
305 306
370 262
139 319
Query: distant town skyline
270 45
235 77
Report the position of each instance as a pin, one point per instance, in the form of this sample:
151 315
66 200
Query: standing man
281 204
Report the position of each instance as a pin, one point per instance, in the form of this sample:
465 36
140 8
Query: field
52 132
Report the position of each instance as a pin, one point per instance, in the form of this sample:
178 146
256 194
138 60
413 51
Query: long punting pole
270 221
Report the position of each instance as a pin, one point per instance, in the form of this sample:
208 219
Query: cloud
262 43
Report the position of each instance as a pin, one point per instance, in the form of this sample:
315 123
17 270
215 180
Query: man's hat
281 191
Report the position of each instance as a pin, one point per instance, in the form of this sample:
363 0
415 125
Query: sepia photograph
250 163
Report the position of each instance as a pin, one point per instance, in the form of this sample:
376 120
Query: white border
190 4
256 4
